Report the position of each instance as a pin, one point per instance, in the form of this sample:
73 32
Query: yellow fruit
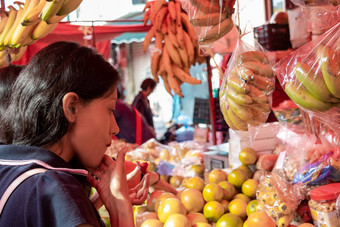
165 155
145 216
152 223
184 181
225 204
260 218
212 192
228 190
195 182
246 169
230 220
238 207
217 175
201 224
249 188
251 207
196 217
242 196
170 206
248 156
178 220
150 202
192 199
245 224
161 198
165 178
175 181
237 177
138 210
306 225
213 210
198 169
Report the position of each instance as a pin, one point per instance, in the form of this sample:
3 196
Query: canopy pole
93 37
211 103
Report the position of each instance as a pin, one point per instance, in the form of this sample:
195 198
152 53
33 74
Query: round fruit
260 218
228 190
238 207
237 177
184 181
145 216
212 192
175 181
178 220
306 225
242 196
161 198
213 210
217 175
192 199
150 202
246 169
251 207
249 188
198 169
196 217
201 224
152 223
168 207
248 156
165 155
225 204
229 220
195 182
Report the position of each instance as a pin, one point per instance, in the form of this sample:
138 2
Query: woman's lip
108 144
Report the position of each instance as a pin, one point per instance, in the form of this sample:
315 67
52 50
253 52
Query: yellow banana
172 10
259 68
148 5
4 18
161 14
178 13
28 41
190 47
18 55
189 28
173 53
243 73
241 111
259 117
183 76
223 107
173 83
313 82
68 7
157 5
262 107
240 98
252 56
172 38
32 16
166 83
184 57
167 62
217 31
263 83
146 17
207 19
55 19
20 34
11 19
51 8
155 59
159 40
239 85
257 95
284 221
42 30
18 19
171 25
147 39
180 36
329 62
239 123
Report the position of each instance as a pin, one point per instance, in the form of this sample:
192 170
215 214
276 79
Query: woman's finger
130 176
121 155
107 160
145 185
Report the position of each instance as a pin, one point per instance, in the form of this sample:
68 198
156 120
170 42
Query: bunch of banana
33 20
245 97
317 88
176 44
212 18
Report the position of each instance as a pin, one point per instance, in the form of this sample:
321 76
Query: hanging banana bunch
29 22
176 44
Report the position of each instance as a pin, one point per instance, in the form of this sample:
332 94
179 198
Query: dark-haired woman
58 125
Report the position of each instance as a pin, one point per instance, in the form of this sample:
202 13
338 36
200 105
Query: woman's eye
112 111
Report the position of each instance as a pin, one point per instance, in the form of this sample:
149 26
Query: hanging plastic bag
310 76
247 87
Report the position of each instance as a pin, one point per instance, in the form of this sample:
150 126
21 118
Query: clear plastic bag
247 87
210 19
310 76
312 3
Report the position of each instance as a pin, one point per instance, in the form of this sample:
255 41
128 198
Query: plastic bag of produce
211 19
310 76
279 198
246 90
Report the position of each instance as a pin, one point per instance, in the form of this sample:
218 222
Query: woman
59 123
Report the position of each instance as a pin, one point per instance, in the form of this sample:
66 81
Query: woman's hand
139 193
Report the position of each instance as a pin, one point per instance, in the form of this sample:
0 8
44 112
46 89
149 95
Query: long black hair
35 114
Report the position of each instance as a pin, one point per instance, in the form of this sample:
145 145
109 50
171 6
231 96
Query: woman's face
93 128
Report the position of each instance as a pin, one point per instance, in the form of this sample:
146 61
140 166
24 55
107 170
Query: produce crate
273 36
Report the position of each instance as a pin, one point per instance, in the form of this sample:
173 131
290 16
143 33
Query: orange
249 188
150 202
192 199
170 206
217 175
212 192
178 220
306 225
152 223
184 181
165 155
242 196
230 220
213 210
175 181
238 207
228 190
237 177
196 217
145 216
161 198
195 182
251 207
201 224
198 169
248 156
246 169
260 218
225 204
138 211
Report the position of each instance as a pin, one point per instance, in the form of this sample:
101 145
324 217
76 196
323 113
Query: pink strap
16 183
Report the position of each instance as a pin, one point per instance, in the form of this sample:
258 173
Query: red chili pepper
142 166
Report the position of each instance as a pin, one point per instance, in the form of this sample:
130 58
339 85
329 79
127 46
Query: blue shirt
52 198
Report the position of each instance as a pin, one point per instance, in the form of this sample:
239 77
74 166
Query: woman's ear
70 100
